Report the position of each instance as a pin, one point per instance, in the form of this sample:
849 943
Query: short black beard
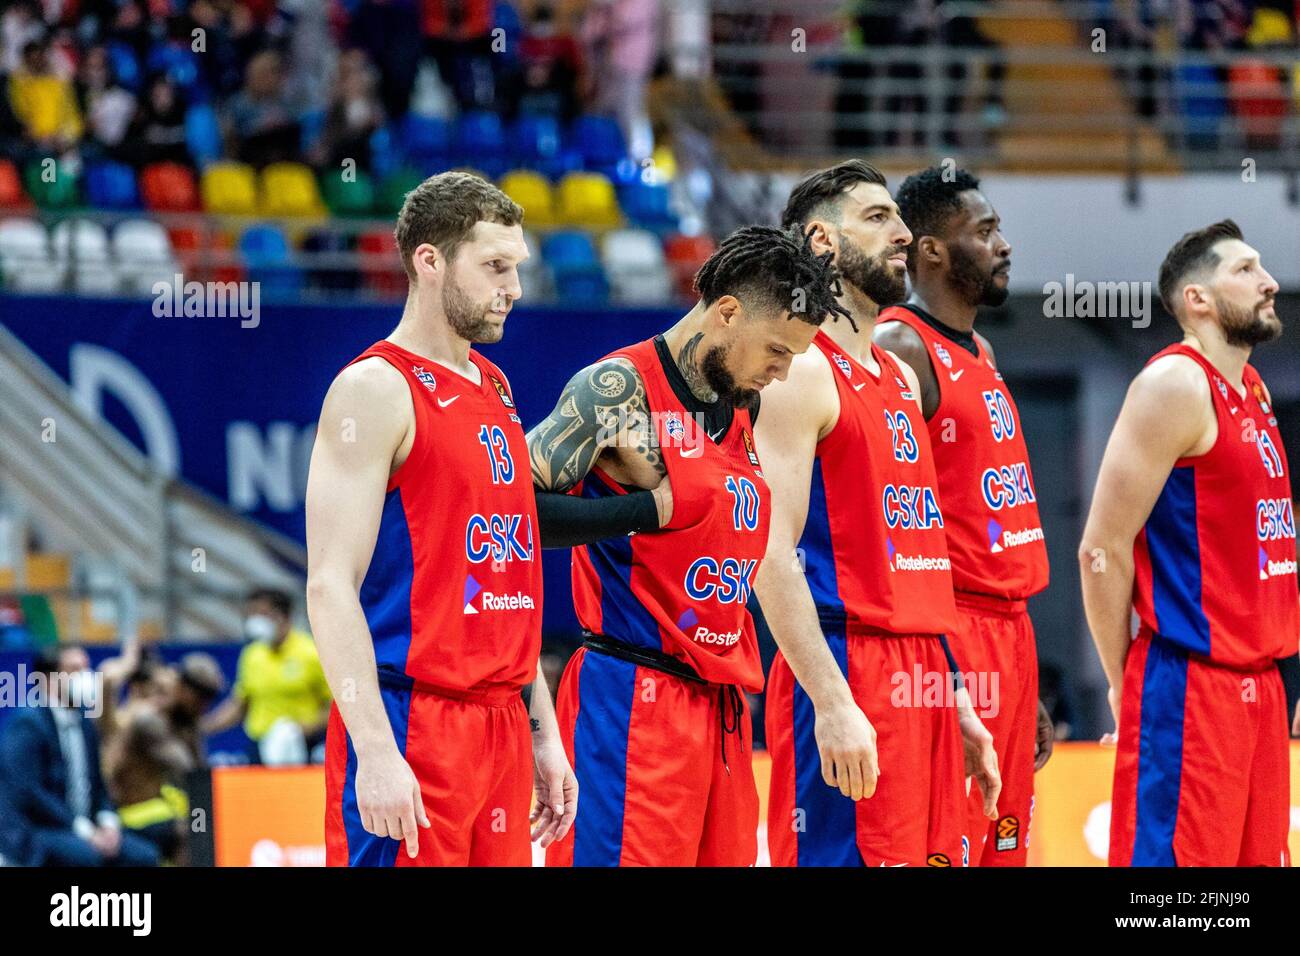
874 278
466 317
1244 327
974 286
714 368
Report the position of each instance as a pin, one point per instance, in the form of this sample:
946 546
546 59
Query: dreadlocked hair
773 270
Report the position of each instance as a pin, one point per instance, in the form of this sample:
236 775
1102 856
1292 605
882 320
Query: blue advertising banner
231 405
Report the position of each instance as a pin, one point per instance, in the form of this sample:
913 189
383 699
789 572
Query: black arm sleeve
567 521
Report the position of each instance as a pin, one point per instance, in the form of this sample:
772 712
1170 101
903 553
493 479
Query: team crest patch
673 425
1259 397
938 859
943 354
501 390
843 364
426 378
1008 833
749 447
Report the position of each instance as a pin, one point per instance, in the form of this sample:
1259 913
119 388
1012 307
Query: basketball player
651 708
958 261
870 745
1192 526
424 583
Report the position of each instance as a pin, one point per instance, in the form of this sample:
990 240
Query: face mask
259 627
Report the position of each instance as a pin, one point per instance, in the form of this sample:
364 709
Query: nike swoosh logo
858 388
695 452
442 404
956 375
1233 409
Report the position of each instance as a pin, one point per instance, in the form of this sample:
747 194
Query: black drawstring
730 704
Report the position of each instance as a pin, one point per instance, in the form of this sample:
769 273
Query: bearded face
720 379
874 276
1247 325
467 318
974 282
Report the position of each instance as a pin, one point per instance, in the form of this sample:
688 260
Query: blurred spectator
457 36
44 102
144 766
963 35
354 114
621 38
157 133
199 684
551 65
280 692
262 127
54 807
107 107
221 66
389 32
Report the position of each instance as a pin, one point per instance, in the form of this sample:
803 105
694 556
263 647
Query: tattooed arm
602 412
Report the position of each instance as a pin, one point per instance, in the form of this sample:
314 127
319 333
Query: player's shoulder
372 376
1174 377
807 394
895 335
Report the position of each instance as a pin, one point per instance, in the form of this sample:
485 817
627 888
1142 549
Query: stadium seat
51 187
25 260
289 189
202 134
1200 101
11 188
111 186
176 60
230 189
426 141
81 248
533 192
588 199
144 255
270 262
169 187
392 193
126 68
353 197
1258 97
383 275
332 276
648 204
600 142
481 143
572 260
685 256
537 144
634 262
534 276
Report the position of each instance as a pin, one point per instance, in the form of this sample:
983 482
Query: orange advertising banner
275 817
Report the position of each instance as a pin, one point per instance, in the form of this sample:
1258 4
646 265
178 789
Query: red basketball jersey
990 506
682 590
453 595
873 547
1215 565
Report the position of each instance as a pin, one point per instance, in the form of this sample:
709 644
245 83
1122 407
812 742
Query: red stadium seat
11 188
169 187
685 255
1259 98
384 277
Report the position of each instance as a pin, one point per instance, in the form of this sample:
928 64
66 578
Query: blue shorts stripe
830 829
1160 754
606 686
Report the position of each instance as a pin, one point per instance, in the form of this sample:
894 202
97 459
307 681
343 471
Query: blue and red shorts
1202 772
472 754
995 649
918 813
664 766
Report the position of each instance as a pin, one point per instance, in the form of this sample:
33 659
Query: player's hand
388 798
663 493
1112 738
557 794
1295 723
846 742
107 841
1044 738
980 758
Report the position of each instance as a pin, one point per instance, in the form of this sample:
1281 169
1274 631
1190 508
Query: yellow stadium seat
289 189
532 192
230 189
1269 28
587 199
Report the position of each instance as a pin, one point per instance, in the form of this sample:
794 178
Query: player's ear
931 250
1196 299
729 310
427 260
822 239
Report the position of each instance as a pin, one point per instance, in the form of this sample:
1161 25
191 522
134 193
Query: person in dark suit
54 808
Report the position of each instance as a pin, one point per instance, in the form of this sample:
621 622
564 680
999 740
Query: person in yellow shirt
280 693
43 101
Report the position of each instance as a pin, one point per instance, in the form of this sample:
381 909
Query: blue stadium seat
178 62
481 143
266 252
537 144
647 204
203 134
1198 91
126 68
426 142
572 259
111 186
600 141
386 156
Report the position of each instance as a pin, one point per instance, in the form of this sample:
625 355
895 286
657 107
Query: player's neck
944 305
855 342
688 342
426 332
1230 360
